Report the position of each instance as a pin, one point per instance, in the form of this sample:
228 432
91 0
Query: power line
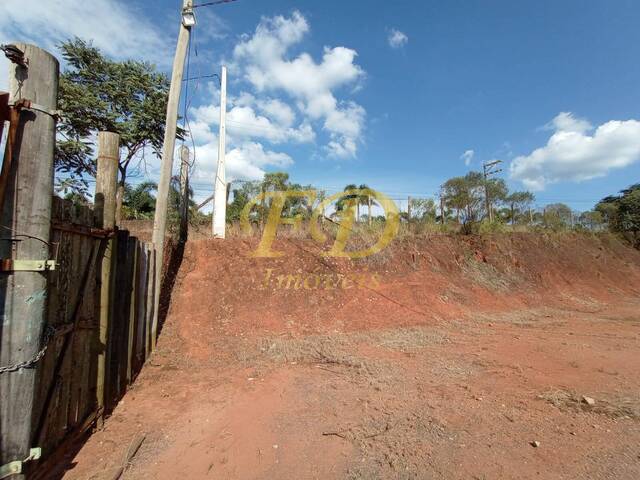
217 2
202 76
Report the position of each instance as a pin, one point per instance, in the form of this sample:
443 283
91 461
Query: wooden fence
79 298
67 401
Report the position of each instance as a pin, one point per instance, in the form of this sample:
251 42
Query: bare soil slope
440 357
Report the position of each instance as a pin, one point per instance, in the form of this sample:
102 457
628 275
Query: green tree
98 94
242 196
465 195
622 213
139 202
518 203
557 216
341 204
423 209
497 190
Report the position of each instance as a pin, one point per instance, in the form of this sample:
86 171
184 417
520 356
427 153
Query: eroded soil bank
441 357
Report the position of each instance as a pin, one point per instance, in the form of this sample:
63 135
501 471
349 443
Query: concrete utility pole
184 193
168 148
220 189
488 169
26 225
409 209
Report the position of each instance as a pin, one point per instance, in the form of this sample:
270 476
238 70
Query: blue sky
393 94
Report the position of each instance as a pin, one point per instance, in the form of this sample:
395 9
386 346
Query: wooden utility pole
26 223
220 189
442 210
105 216
184 193
409 209
369 209
166 166
488 169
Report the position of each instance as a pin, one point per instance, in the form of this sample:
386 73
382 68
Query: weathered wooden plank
119 320
151 302
133 311
141 306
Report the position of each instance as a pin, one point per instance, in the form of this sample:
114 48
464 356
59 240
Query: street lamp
188 17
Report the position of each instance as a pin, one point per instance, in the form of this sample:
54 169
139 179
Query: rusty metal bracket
15 55
8 265
25 104
14 468
82 229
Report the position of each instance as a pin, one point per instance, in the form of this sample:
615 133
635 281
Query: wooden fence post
105 211
152 286
26 223
133 253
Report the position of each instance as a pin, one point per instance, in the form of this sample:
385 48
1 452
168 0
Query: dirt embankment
415 281
512 356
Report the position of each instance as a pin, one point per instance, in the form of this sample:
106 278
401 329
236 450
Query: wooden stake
105 212
26 216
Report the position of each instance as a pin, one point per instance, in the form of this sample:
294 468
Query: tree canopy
99 94
622 212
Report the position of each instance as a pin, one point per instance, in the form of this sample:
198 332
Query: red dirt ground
440 357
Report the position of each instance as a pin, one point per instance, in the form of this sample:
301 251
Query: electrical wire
217 2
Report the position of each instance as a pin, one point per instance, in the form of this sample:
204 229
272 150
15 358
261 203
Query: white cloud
119 30
245 161
278 110
397 39
467 156
263 59
575 152
246 158
567 122
244 122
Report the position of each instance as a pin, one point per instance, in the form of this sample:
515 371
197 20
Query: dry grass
314 349
486 275
406 340
621 407
336 349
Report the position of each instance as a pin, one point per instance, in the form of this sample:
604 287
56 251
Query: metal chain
49 331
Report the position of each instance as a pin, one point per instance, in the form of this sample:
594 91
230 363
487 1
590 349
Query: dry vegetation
620 407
